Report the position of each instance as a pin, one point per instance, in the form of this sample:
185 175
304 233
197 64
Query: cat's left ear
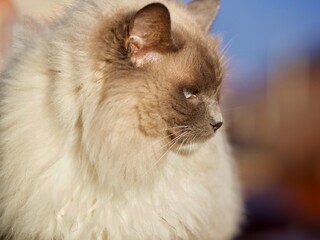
149 34
205 12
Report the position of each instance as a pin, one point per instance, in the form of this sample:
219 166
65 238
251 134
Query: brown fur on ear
149 33
205 11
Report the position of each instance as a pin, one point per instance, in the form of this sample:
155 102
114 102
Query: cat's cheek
150 122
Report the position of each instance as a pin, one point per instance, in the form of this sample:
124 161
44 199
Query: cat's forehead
197 65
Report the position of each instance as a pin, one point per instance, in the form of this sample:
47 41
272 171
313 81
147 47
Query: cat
110 127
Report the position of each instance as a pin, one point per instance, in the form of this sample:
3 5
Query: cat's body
83 134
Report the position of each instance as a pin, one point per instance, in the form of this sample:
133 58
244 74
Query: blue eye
188 93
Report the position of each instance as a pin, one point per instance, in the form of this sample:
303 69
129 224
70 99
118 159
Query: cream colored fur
54 187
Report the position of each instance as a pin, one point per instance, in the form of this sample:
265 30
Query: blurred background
271 104
272 107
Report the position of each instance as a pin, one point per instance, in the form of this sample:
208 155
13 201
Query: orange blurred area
12 11
7 15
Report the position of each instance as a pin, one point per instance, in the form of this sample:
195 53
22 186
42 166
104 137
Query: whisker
172 139
167 136
174 143
181 146
152 145
191 140
226 47
176 139
182 126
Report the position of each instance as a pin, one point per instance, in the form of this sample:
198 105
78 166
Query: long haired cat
110 124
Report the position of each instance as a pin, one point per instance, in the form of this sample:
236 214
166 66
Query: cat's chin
189 143
187 149
190 147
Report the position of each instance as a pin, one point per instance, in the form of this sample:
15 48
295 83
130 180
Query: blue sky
253 30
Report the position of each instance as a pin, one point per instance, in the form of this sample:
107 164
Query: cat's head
167 64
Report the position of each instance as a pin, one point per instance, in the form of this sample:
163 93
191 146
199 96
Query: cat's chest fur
192 198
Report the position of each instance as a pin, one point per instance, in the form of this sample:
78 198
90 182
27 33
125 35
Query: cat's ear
149 34
204 11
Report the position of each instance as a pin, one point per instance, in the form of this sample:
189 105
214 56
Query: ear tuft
149 33
205 12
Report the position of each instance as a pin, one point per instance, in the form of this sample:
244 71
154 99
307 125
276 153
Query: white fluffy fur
54 187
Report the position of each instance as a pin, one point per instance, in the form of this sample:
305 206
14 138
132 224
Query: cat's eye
189 94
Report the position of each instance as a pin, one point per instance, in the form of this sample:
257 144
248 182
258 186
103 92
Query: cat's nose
216 125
